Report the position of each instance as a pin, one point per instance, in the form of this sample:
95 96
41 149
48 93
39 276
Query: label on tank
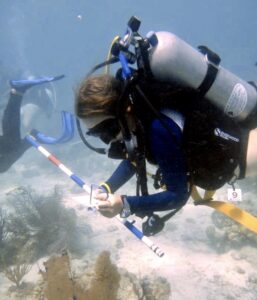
237 101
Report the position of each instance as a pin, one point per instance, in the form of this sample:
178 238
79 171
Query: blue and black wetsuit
12 146
169 157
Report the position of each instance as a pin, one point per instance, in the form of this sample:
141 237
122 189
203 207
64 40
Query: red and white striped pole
128 224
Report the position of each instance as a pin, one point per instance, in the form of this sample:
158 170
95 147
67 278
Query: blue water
71 36
46 37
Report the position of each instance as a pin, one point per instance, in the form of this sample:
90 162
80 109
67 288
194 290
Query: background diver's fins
24 84
67 131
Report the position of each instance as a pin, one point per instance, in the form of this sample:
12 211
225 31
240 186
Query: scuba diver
178 110
12 146
96 105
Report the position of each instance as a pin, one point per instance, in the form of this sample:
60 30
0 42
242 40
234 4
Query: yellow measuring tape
230 210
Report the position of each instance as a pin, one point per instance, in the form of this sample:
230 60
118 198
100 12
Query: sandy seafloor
194 269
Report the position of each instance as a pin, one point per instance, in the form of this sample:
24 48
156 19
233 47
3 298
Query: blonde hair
97 95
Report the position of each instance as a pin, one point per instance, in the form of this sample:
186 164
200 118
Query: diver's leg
11 117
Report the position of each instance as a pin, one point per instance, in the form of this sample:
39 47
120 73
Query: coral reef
102 281
57 276
36 224
156 288
33 226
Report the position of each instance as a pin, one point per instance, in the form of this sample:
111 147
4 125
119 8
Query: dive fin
24 84
67 131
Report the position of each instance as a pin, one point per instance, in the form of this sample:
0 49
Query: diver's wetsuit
171 161
12 146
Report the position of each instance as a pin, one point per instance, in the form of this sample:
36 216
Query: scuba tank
172 60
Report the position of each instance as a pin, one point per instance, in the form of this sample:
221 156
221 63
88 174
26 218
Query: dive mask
107 129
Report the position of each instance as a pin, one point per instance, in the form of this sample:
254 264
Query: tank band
213 61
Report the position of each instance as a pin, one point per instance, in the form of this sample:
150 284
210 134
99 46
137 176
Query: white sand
193 269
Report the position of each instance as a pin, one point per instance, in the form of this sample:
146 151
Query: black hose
98 150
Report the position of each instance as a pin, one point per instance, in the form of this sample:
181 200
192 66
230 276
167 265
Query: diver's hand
109 206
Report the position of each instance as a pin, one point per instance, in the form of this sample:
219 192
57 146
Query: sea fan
38 223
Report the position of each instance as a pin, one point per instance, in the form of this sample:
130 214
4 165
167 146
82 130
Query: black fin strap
213 61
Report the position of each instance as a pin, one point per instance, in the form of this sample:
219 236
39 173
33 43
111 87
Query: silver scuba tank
173 60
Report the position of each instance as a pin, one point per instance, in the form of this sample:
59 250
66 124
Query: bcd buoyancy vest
214 144
215 147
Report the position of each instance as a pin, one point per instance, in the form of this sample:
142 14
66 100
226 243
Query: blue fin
24 84
67 131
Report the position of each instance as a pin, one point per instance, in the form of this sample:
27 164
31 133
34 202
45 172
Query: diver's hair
97 95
